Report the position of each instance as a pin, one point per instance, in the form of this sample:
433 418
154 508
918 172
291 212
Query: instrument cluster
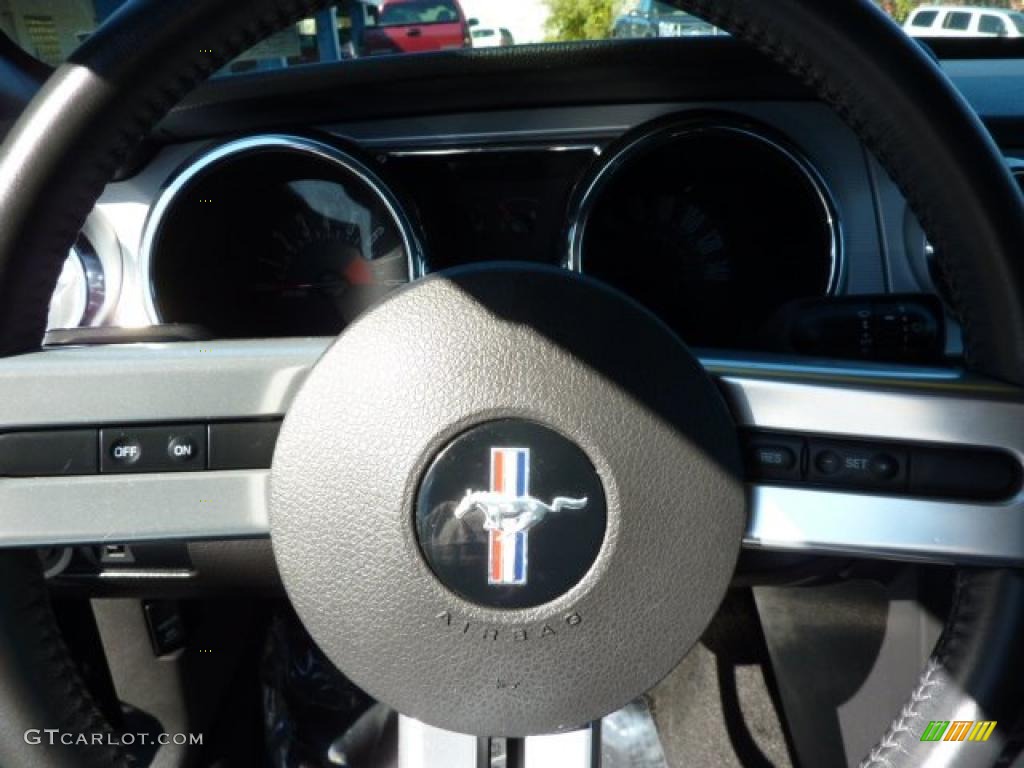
713 222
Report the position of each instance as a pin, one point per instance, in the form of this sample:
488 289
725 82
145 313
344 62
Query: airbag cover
534 346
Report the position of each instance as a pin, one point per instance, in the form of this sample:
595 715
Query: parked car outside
491 37
415 26
958 21
656 19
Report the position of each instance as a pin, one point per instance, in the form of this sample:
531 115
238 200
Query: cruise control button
126 451
774 457
173 448
884 466
856 464
828 462
182 449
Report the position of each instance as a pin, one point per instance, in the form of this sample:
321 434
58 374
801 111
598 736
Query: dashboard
718 215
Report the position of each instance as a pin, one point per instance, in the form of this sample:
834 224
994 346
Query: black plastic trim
891 467
532 76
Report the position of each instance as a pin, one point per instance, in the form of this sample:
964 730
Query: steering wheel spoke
240 381
423 746
907 412
53 392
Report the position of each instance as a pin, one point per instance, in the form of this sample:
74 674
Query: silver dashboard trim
584 199
456 151
129 574
209 159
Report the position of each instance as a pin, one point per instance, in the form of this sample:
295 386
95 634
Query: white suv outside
958 21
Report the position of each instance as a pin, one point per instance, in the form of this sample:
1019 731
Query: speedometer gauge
276 236
714 225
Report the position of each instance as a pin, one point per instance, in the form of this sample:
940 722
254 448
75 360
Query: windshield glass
52 29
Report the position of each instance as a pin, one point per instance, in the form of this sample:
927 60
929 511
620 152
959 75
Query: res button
774 457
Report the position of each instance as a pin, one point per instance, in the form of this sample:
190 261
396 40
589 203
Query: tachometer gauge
713 226
277 236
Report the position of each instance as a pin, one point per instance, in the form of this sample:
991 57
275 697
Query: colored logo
483 495
509 513
958 730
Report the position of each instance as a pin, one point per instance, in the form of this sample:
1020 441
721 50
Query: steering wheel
632 439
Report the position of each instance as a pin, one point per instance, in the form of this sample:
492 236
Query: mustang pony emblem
509 512
511 515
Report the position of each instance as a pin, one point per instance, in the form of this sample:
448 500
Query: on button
182 448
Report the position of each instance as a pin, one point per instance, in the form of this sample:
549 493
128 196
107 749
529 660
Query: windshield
52 29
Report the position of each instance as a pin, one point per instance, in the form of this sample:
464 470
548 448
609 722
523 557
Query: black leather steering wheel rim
68 143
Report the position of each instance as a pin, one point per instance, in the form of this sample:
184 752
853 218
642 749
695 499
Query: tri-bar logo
958 730
509 512
506 550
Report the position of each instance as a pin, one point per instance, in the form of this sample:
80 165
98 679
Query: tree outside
581 19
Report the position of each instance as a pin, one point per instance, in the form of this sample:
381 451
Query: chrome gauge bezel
212 159
921 253
680 126
95 280
99 253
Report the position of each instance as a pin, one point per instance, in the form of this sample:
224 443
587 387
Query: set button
855 464
851 464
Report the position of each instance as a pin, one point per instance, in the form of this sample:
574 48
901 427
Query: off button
126 451
182 449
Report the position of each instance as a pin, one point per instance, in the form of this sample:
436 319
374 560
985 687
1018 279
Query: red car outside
414 26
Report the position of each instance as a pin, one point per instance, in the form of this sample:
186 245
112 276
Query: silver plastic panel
576 749
629 738
423 746
132 508
154 382
821 522
245 379
912 406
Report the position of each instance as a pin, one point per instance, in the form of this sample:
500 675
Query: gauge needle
286 287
